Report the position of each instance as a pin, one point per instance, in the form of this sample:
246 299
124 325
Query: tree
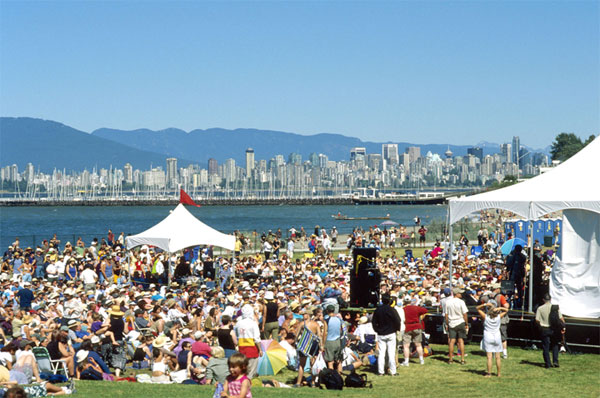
565 145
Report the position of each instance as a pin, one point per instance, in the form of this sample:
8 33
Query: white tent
180 230
571 186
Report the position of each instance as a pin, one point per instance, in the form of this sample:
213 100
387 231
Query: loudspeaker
365 278
507 287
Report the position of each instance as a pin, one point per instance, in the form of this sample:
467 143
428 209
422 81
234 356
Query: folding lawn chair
47 364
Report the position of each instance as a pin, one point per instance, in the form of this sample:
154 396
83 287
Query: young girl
492 341
237 384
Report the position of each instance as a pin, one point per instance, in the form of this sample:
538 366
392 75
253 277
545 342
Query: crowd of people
195 317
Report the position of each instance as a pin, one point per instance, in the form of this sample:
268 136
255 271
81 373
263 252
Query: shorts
414 336
333 350
421 238
504 332
459 332
348 368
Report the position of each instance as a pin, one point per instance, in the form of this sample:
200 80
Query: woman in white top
492 342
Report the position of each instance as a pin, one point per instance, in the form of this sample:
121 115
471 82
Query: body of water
33 224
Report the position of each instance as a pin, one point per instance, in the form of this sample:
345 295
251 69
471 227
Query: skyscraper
213 166
475 151
172 172
414 152
506 151
249 162
516 147
356 152
389 152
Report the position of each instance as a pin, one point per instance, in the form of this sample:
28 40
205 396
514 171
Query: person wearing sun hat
117 352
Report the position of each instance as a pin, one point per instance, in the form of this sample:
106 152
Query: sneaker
422 362
504 356
404 364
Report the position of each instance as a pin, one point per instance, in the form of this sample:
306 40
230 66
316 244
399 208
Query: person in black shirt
386 322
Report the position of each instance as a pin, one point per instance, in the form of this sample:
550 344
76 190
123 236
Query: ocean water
33 224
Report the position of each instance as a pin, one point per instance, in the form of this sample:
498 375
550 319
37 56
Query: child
237 384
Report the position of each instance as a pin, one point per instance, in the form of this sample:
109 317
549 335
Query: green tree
565 145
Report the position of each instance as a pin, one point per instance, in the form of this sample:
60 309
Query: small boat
344 217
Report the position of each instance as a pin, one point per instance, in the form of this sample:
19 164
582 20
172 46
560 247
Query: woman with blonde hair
492 340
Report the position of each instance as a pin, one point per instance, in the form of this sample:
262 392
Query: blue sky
422 72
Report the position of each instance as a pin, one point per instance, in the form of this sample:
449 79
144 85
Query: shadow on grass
441 358
478 353
538 364
480 372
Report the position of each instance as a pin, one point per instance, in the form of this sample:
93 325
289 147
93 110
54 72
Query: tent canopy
180 230
570 185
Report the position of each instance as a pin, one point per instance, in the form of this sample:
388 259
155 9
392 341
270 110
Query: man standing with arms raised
457 323
386 322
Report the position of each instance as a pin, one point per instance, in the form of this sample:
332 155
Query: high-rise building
295 158
128 173
229 170
356 152
389 152
414 152
516 147
213 166
506 152
249 162
172 172
313 158
475 151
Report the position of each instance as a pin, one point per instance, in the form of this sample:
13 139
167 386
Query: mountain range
49 145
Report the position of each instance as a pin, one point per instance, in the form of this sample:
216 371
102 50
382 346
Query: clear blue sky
423 72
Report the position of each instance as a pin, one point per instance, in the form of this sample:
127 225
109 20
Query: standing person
502 303
549 318
413 332
248 336
386 322
457 323
332 336
492 341
515 264
422 236
290 248
307 343
267 248
270 317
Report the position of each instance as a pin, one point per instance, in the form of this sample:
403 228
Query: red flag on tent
186 199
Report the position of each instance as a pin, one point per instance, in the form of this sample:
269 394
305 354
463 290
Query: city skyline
472 71
386 170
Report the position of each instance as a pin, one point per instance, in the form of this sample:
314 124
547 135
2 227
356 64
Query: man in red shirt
413 321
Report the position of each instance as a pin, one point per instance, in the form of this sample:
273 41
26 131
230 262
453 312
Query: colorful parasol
274 358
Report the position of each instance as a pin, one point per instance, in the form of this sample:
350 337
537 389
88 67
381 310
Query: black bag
331 379
556 324
355 380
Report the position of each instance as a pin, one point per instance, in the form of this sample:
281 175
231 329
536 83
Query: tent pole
531 266
169 269
450 249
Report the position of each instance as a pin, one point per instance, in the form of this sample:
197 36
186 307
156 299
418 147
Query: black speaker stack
365 278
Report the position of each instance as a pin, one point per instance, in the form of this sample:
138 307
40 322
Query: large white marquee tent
180 230
574 188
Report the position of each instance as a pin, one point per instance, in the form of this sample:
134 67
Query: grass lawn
523 375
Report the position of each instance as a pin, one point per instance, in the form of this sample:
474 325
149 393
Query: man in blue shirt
332 336
25 297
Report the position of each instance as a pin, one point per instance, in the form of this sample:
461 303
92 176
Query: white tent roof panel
570 185
181 230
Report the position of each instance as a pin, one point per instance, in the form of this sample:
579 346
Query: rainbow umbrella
274 358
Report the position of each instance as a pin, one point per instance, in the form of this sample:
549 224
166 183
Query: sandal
462 362
488 375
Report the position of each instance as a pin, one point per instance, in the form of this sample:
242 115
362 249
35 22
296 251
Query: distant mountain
221 144
48 145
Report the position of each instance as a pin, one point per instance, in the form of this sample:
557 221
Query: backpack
556 324
331 379
355 380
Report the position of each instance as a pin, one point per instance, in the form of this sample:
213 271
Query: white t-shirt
455 309
89 276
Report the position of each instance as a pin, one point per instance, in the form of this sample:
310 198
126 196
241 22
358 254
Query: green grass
523 375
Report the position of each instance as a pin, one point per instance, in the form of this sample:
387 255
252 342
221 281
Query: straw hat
116 310
159 342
